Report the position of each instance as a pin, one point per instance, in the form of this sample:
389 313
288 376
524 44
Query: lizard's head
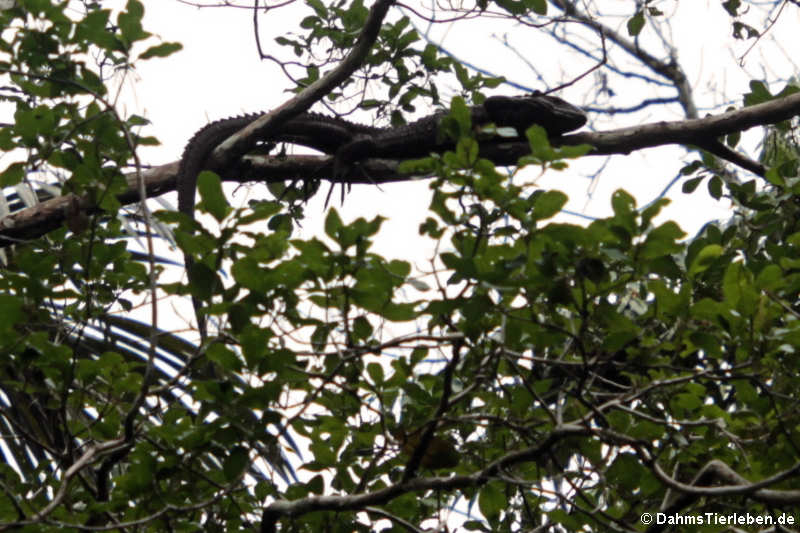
552 113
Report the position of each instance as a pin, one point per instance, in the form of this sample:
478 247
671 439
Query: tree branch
670 70
716 470
697 131
237 145
703 132
430 427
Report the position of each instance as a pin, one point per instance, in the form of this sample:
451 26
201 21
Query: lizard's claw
341 169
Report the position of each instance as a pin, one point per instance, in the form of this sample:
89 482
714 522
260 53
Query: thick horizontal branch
703 132
284 508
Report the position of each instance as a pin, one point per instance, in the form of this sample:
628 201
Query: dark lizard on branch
420 138
350 142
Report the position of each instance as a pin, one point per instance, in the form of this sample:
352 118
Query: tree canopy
537 375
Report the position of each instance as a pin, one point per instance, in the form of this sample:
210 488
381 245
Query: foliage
565 375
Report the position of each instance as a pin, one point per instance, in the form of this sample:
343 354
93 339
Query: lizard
350 142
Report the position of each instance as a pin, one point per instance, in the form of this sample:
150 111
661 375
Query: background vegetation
540 376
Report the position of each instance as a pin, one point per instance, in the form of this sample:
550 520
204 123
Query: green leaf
362 329
319 338
467 152
732 7
691 168
774 177
210 188
12 175
492 501
625 471
715 187
224 357
547 204
319 8
161 50
93 29
248 272
375 372
651 211
573 151
399 268
635 24
10 311
354 16
235 463
515 7
689 186
758 93
707 256
419 167
461 113
663 240
685 402
540 144
202 280
624 204
771 278
399 312
333 224
731 283
538 6
130 22
31 123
